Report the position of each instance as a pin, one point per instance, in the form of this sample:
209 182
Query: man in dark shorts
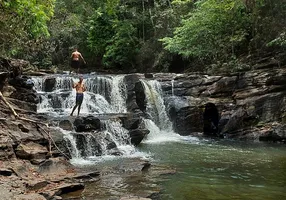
75 63
80 89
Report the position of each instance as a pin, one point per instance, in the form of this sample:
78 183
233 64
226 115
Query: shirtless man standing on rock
80 89
75 63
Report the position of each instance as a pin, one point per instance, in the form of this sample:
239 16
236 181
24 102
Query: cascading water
172 83
104 95
159 124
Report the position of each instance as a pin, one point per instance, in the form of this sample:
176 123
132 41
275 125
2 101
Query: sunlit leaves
34 14
212 29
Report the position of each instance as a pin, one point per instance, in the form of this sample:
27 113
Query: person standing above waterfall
75 63
80 89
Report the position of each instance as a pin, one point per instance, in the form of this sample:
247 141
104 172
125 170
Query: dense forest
143 35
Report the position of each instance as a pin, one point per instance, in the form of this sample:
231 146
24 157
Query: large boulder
49 84
66 125
140 96
130 81
188 120
30 151
22 82
86 124
137 135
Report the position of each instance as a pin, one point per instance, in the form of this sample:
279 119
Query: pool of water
223 170
207 169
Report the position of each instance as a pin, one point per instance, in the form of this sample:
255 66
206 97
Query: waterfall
159 123
172 83
155 105
106 94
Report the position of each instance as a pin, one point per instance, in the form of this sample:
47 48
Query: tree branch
36 122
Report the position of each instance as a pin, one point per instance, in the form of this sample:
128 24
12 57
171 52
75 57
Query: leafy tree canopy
23 20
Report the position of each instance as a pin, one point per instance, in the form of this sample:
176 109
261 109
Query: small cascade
159 123
104 94
100 85
155 105
113 140
118 94
38 83
172 83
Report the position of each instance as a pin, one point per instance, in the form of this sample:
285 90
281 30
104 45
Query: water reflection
214 170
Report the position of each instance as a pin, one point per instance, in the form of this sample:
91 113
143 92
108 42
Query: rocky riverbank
34 158
247 105
32 162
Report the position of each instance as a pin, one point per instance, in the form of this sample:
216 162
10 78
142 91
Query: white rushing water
104 95
159 123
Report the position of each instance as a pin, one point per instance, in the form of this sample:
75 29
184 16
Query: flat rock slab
36 184
29 197
67 188
31 150
5 193
134 198
87 175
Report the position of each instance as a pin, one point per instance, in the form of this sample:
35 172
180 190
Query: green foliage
69 29
34 14
213 30
123 46
22 24
113 35
100 31
125 34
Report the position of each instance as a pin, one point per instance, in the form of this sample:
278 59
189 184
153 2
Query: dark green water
223 170
215 170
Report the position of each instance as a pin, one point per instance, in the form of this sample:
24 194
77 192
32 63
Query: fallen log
9 106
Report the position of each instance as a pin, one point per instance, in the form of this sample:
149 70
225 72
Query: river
182 167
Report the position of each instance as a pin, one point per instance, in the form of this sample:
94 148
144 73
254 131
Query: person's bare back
80 89
76 56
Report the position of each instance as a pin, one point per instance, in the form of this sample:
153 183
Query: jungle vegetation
143 35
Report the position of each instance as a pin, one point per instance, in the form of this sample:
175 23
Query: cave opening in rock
211 119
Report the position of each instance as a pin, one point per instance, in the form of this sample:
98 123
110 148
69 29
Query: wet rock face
49 84
86 124
257 99
66 125
22 82
138 135
188 120
88 145
140 96
211 119
131 101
